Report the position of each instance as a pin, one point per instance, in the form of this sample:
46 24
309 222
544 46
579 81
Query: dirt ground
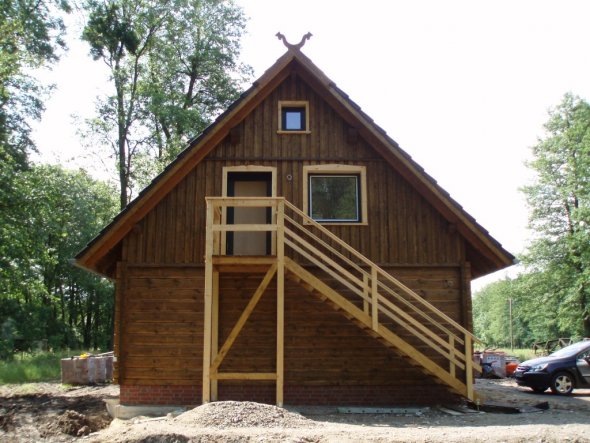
53 413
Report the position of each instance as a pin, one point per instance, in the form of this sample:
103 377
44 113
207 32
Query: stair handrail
326 262
308 220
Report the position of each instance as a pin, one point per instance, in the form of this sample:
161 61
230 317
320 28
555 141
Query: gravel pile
242 414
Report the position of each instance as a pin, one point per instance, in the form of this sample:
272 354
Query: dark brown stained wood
164 329
403 226
160 288
466 306
163 321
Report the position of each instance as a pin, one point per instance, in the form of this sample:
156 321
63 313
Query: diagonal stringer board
313 283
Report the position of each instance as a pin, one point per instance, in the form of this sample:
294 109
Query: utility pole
511 329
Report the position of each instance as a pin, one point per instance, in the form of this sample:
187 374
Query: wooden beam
244 376
280 365
374 299
244 227
215 330
469 367
251 202
243 318
452 350
208 308
366 293
244 260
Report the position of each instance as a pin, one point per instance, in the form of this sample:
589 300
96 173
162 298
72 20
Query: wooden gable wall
159 327
403 228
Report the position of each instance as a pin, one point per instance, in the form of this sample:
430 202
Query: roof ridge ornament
299 45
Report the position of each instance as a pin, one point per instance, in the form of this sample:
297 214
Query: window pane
293 119
334 198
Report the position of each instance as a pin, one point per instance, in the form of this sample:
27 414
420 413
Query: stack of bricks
85 371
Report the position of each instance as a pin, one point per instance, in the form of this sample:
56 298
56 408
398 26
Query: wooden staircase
352 284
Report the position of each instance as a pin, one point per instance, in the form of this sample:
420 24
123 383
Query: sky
464 87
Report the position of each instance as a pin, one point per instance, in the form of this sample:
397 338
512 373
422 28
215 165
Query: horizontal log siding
163 332
403 227
161 319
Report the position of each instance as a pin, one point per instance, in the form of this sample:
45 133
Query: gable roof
484 252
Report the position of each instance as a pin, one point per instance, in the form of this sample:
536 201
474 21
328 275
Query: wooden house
293 253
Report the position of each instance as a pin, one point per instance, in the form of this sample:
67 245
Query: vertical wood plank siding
160 290
403 228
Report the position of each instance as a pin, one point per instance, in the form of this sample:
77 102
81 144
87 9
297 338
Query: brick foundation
390 395
160 395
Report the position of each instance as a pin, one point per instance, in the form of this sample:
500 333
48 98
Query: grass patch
35 367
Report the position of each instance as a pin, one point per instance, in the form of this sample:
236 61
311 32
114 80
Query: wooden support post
214 330
366 292
374 299
280 301
469 366
208 296
452 355
118 347
217 220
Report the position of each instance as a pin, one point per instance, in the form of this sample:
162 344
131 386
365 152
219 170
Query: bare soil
53 413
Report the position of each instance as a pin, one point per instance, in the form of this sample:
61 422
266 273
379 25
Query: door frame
226 170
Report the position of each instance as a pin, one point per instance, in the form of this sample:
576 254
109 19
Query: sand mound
238 414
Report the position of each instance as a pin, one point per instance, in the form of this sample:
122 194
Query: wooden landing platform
243 263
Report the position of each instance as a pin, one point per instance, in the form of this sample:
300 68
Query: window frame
298 104
338 170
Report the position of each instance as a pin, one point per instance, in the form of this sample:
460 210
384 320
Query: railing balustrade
377 293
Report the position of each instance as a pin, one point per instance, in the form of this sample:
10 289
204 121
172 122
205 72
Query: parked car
562 371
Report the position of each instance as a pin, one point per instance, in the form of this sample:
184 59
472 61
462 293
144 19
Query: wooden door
248 184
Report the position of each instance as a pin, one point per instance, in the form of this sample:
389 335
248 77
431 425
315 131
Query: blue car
562 371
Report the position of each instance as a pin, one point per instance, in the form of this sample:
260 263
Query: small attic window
293 117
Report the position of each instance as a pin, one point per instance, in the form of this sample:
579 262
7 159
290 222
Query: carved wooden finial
291 46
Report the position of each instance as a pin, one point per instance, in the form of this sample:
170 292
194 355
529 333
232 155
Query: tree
528 291
559 200
30 37
173 66
44 296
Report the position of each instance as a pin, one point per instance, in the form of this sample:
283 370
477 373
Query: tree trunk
121 138
583 300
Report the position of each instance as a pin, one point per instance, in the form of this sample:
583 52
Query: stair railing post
374 299
280 300
366 294
208 295
452 355
469 366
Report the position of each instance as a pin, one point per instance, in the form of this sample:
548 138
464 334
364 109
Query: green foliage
560 204
30 37
34 367
491 315
109 32
552 298
173 68
46 215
